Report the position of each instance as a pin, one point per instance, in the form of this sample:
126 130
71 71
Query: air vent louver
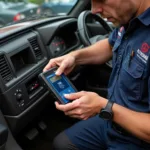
5 71
34 43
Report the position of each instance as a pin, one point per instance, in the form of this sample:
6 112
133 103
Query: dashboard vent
34 43
5 71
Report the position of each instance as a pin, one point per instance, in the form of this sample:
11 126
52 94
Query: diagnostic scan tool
58 85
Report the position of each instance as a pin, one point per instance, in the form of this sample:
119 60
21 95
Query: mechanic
122 121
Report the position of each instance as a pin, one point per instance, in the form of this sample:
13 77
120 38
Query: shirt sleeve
113 36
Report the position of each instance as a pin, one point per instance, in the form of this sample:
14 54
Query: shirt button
119 58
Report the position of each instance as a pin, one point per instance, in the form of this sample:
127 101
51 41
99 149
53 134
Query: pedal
42 125
32 134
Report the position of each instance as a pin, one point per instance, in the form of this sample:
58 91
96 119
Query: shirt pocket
131 81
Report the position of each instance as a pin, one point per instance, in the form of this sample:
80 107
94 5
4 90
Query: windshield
16 11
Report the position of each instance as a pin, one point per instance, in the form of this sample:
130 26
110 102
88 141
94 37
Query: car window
14 11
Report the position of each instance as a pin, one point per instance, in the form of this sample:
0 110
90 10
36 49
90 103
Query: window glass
14 11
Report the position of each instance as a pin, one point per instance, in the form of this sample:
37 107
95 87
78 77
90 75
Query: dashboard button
19 96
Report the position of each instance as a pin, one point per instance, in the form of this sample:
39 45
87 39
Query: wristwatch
106 113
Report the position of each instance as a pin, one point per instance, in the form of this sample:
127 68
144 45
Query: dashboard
24 51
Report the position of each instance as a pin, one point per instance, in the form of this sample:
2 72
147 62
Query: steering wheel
85 18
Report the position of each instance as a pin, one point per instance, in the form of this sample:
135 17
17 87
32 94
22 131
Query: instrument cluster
57 45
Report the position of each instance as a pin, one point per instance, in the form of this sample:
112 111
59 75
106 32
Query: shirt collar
145 17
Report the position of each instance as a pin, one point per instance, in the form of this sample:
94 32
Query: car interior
28 117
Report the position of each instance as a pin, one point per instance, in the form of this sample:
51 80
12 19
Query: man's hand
83 106
64 63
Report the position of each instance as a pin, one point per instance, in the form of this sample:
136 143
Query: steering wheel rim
82 28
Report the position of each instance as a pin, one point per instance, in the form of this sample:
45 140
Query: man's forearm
98 53
135 122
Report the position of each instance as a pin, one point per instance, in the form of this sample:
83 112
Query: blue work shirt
129 83
129 86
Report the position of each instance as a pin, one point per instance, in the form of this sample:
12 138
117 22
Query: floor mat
55 121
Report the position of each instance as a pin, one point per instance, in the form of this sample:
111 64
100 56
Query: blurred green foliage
39 2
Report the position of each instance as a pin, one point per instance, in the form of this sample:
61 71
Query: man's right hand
64 63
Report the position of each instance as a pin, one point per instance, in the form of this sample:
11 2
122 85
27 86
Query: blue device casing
59 85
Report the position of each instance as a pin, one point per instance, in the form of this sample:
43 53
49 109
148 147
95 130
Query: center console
21 61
